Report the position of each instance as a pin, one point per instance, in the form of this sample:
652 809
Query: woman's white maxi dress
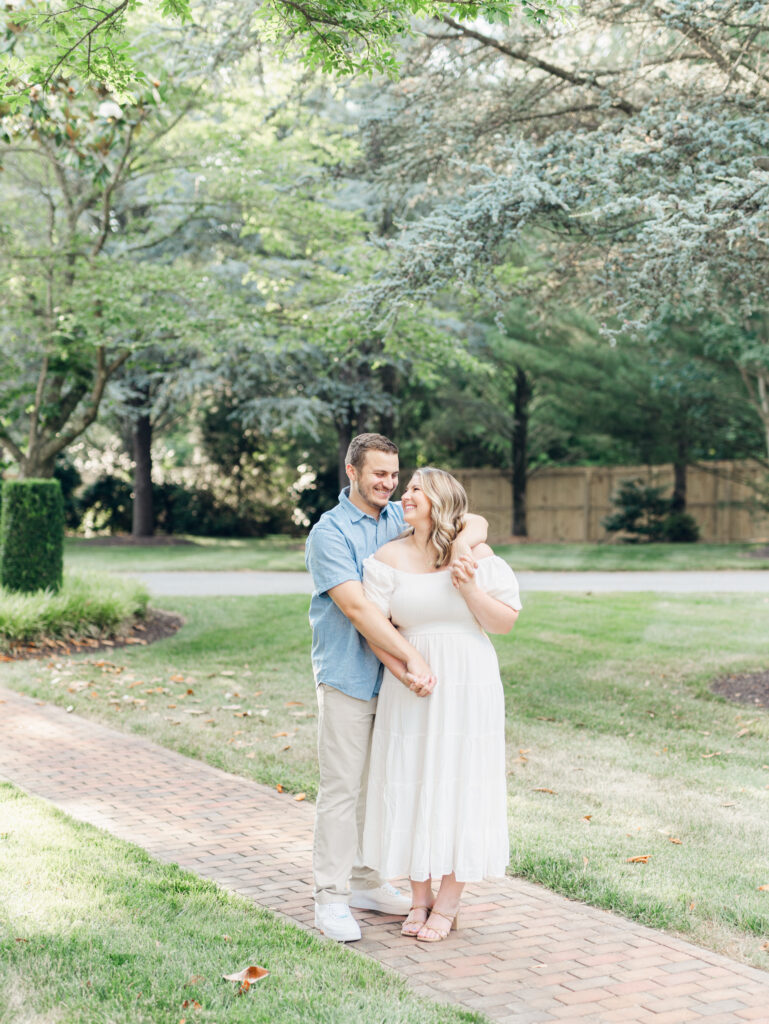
437 796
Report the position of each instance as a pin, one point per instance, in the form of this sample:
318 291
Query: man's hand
422 686
418 677
461 553
463 572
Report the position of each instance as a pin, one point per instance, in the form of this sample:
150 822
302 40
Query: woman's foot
415 921
438 925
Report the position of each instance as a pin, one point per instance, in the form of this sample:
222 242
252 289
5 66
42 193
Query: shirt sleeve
497 578
378 583
329 559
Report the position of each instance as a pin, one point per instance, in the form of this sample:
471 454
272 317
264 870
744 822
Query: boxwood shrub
31 535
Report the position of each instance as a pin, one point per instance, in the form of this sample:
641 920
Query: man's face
376 479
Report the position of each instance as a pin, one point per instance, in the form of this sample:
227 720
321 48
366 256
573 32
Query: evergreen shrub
644 515
31 535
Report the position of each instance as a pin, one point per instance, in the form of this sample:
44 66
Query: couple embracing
411 744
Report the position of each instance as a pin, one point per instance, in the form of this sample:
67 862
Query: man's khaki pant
344 743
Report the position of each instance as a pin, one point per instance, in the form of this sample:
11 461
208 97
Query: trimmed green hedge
31 535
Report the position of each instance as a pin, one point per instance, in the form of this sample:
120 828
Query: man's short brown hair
356 453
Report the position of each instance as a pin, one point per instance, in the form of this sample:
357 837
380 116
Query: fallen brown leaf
276 734
248 974
763 888
303 796
294 703
279 787
676 841
541 789
641 859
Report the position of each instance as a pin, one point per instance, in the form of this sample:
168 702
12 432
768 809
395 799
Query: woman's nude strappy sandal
439 934
408 925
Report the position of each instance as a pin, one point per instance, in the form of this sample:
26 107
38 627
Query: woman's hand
422 686
463 573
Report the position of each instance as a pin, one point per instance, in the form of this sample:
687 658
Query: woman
437 801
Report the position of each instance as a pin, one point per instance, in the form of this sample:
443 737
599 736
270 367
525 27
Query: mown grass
94 931
649 557
608 706
88 605
287 553
277 553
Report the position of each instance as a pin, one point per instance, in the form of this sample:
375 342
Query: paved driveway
219 584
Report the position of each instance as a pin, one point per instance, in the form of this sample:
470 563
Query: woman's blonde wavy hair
448 509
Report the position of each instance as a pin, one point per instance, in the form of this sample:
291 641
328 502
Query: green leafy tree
332 35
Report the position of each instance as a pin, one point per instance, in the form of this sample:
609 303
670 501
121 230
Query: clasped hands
418 677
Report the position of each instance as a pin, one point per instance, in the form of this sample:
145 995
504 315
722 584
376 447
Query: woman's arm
494 616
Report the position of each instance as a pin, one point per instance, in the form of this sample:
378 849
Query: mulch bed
156 626
751 688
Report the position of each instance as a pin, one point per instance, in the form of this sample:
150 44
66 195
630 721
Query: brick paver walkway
523 955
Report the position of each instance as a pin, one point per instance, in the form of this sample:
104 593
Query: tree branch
526 58
85 38
104 371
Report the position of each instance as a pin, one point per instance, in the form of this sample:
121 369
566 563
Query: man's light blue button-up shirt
338 545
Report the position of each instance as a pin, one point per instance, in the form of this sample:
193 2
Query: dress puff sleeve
497 578
378 583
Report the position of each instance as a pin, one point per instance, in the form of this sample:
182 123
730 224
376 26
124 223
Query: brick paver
523 955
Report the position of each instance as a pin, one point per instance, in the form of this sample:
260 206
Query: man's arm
351 600
420 685
474 532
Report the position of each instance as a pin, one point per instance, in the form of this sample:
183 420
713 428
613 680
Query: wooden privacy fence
569 503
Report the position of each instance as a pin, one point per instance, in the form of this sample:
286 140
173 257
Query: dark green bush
66 473
644 515
641 511
680 528
109 501
32 535
178 510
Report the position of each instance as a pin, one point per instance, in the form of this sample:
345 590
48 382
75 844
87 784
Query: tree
91 42
635 167
83 194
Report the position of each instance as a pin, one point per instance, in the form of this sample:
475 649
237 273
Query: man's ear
352 473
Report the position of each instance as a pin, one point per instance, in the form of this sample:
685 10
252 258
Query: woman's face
416 504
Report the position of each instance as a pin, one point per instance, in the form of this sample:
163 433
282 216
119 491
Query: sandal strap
446 917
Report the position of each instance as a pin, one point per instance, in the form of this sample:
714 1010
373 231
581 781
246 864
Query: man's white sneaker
386 899
336 922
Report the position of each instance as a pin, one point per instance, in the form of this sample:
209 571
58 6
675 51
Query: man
348 676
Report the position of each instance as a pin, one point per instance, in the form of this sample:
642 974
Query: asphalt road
246 583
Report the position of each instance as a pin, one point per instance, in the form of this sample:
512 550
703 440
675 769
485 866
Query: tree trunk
344 434
143 516
678 500
523 396
389 378
34 468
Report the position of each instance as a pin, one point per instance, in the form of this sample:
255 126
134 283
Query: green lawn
609 708
286 553
93 931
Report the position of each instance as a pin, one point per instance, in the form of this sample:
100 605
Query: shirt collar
354 512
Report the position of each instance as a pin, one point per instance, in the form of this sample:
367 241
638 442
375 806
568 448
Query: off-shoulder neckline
436 572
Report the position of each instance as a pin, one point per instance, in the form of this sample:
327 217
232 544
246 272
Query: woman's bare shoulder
392 553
